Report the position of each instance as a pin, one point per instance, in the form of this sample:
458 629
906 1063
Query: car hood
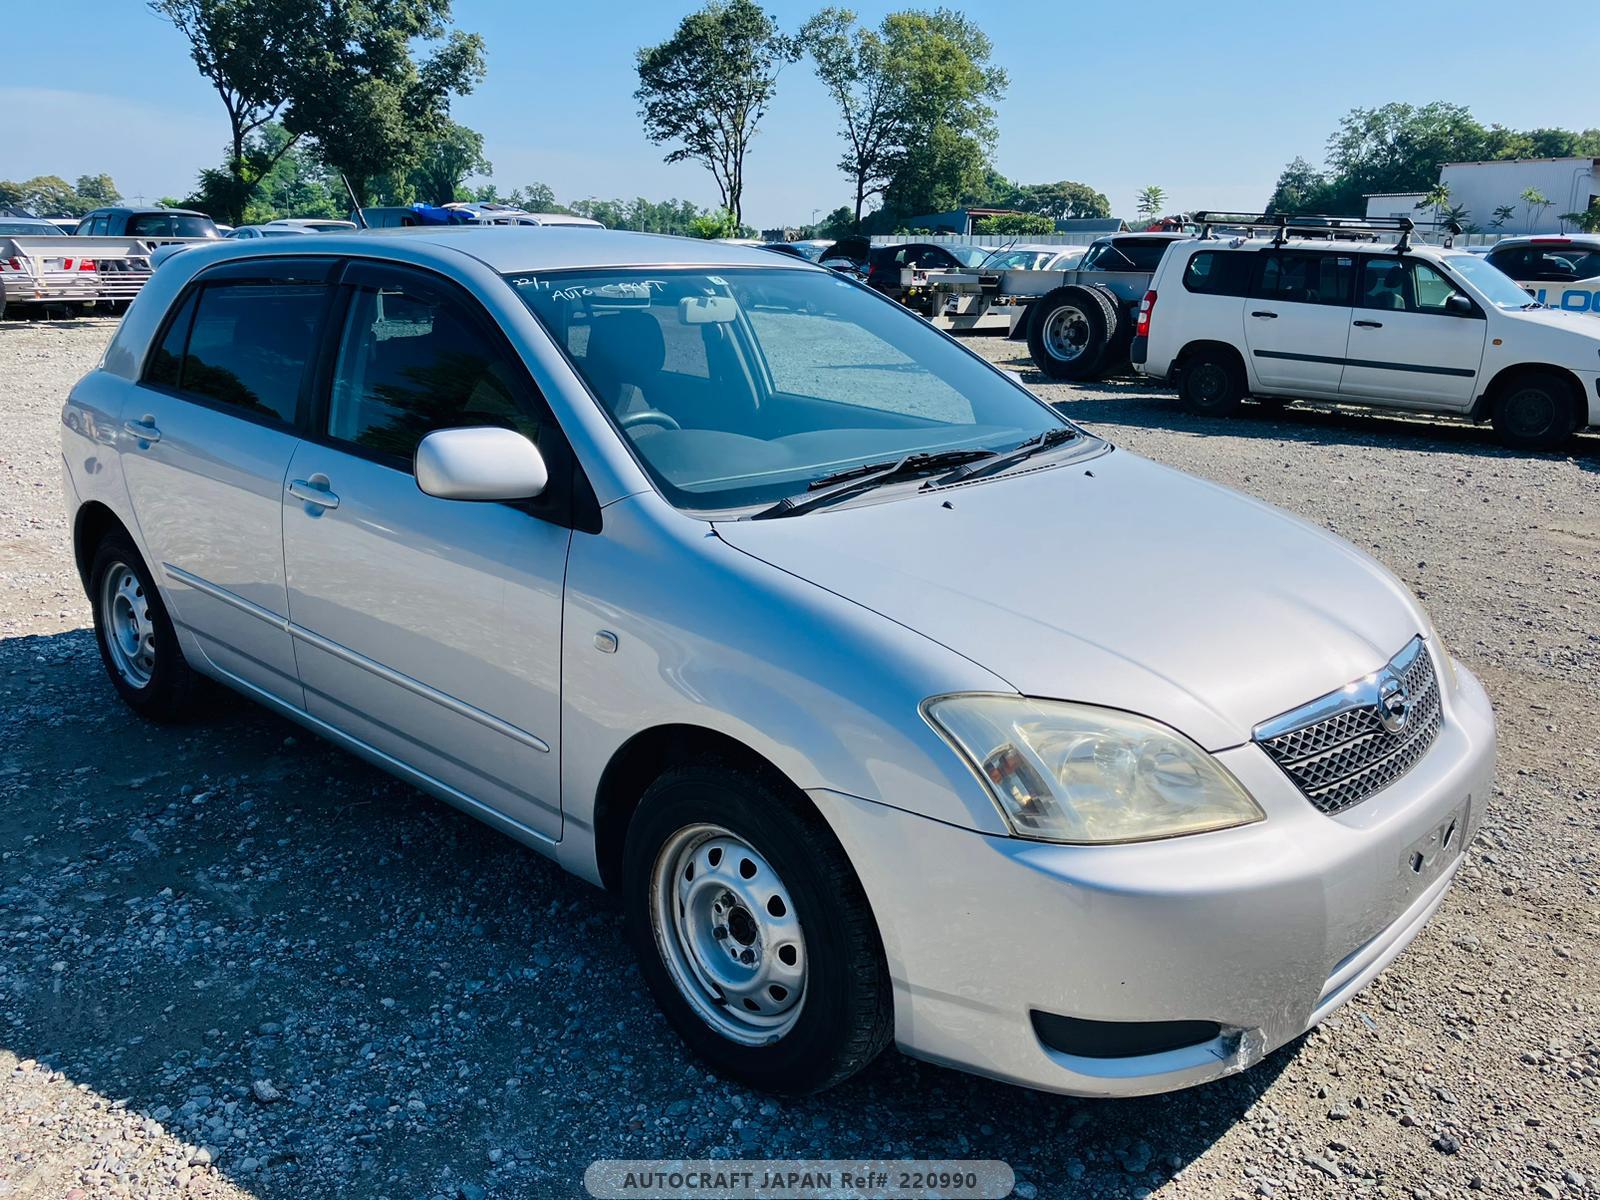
1112 581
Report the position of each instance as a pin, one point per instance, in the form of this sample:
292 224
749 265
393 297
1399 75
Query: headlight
1072 773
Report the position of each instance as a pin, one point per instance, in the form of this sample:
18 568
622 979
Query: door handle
145 430
313 491
1271 316
1368 324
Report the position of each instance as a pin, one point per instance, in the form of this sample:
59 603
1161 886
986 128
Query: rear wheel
1533 411
752 931
137 641
1212 383
1067 333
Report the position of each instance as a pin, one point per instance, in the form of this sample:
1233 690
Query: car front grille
1340 749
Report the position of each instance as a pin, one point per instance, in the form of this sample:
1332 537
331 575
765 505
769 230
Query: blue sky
1118 96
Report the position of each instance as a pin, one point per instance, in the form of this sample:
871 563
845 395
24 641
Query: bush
1015 225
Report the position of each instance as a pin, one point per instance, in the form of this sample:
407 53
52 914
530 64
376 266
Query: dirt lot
234 961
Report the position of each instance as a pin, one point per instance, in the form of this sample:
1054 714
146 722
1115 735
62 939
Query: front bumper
1263 930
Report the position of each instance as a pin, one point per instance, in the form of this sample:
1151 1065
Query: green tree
719 224
1016 224
44 195
1502 214
341 71
1437 198
1534 202
1587 221
864 80
707 87
1061 201
942 62
96 191
447 159
1152 200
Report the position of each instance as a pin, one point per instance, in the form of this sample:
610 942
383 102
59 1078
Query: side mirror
482 463
1458 305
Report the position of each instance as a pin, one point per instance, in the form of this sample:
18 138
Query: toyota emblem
1394 703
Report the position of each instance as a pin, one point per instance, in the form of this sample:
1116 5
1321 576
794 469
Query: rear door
206 442
1297 320
1406 347
429 629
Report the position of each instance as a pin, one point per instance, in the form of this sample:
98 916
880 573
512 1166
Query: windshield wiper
866 477
1000 462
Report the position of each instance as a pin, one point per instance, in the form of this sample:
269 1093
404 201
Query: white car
1561 270
1394 326
717 577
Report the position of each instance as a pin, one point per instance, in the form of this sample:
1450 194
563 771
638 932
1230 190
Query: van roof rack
1283 225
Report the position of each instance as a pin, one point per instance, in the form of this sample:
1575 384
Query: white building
1569 184
1396 204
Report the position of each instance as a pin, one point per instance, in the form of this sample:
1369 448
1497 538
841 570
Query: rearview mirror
482 463
1458 305
708 310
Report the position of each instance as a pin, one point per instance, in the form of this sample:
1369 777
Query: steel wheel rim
1531 411
1209 383
130 634
1066 333
727 930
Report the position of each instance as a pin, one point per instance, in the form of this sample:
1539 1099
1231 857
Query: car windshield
30 229
743 385
1497 287
1015 260
969 256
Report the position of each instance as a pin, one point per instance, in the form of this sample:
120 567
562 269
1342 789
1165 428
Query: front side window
249 346
412 359
807 374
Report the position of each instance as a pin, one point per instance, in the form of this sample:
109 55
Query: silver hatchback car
894 706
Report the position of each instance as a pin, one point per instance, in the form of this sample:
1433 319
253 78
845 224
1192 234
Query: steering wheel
647 416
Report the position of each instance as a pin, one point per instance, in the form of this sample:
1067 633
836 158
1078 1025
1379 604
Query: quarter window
248 346
1218 273
412 360
1301 278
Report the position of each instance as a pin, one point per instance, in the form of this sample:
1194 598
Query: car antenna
355 205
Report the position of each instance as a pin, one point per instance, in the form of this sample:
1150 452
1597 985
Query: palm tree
1437 198
1534 201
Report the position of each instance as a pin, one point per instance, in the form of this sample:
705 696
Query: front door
206 443
1407 347
1297 320
428 629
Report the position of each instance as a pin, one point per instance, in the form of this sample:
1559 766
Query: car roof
1584 241
140 212
512 248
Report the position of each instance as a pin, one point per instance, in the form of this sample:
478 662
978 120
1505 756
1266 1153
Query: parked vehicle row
445 500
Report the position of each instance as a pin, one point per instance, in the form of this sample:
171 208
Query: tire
1212 383
1533 411
818 974
1119 331
137 641
1067 332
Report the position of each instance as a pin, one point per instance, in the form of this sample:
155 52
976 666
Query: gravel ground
234 961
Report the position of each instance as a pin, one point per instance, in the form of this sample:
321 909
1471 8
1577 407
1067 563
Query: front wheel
752 931
1534 412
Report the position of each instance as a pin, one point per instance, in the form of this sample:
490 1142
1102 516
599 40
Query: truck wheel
752 930
1212 383
1534 411
1067 333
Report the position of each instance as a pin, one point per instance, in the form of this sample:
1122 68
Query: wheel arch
1200 345
1504 377
641 759
93 520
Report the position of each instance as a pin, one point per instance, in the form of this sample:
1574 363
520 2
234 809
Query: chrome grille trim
1336 749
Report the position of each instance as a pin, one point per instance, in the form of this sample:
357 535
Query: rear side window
248 347
413 359
1218 273
1301 278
